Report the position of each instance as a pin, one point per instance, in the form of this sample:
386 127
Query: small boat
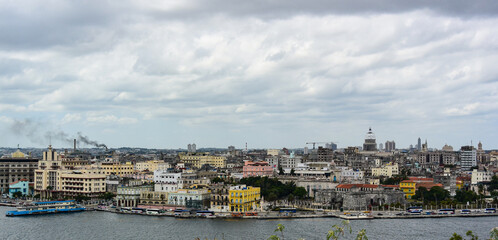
37 208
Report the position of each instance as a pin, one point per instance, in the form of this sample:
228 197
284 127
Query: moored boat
37 208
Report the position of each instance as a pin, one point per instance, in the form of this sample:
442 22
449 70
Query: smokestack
74 144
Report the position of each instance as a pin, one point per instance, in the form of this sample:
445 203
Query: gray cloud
251 67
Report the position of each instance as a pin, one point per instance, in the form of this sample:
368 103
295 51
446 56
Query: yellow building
197 160
408 187
89 183
243 199
152 166
153 198
119 169
52 179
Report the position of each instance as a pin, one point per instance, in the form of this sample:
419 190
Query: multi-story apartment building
153 198
481 176
219 198
253 169
190 198
54 179
152 166
129 196
165 181
408 187
449 158
468 157
14 168
243 198
116 168
388 170
197 160
86 182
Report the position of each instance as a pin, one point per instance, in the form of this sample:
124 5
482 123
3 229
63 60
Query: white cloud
195 66
71 117
109 119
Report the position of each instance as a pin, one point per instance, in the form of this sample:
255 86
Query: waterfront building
387 170
111 183
468 157
253 169
219 198
129 196
166 181
190 198
370 144
54 179
244 198
408 187
359 196
21 186
197 160
153 198
85 182
18 166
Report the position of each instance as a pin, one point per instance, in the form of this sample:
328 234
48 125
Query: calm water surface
102 225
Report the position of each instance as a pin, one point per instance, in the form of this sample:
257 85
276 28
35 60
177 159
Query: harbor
108 225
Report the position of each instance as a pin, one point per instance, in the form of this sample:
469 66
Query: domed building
370 144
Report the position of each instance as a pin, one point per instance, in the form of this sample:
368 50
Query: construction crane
318 143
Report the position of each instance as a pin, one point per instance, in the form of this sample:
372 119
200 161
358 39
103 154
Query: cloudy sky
162 74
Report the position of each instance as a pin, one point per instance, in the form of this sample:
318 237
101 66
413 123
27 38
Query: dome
370 134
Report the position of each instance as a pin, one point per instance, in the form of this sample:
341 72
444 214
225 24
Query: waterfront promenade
106 225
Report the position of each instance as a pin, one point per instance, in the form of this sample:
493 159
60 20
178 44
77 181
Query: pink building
253 169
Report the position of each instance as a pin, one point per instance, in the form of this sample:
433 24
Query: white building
481 176
165 181
387 170
350 174
468 157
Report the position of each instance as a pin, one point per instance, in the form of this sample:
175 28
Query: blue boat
37 208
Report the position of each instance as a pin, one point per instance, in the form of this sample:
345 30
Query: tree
300 192
80 198
292 172
107 196
217 180
17 195
464 196
281 171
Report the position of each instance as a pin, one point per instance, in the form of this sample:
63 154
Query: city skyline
163 75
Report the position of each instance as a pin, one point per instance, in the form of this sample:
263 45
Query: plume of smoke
32 130
87 141
27 128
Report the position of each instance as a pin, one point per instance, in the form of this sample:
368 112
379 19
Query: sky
163 74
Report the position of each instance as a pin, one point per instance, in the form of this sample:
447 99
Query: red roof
408 181
349 186
22 180
429 185
421 179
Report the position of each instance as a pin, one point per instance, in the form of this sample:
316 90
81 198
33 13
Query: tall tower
370 144
419 144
